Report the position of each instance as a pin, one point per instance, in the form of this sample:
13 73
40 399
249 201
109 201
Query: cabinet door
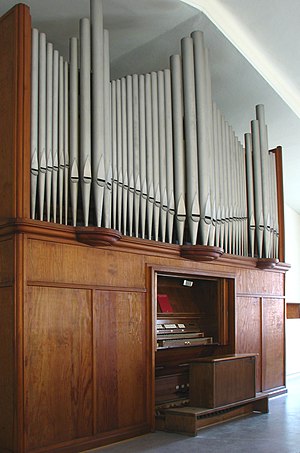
120 359
58 365
273 365
248 331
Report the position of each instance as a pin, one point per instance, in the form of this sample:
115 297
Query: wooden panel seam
263 295
87 286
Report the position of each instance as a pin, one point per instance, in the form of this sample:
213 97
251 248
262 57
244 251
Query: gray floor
276 432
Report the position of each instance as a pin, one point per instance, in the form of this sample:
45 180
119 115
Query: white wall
292 290
292 254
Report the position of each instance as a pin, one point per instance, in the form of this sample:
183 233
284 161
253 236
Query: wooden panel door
248 331
121 359
58 365
273 327
7 368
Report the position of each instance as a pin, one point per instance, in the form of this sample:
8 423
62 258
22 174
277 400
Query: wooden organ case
80 366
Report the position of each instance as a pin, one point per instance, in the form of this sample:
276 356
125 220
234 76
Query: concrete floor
276 432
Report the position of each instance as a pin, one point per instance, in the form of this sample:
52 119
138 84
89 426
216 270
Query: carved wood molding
97 237
102 237
201 252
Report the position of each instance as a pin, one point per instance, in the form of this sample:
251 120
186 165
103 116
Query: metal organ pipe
202 136
250 194
42 123
259 217
179 158
49 87
129 112
85 117
155 151
136 154
149 150
193 207
98 106
66 139
142 153
209 116
55 133
61 151
162 153
114 152
124 154
169 154
107 132
260 116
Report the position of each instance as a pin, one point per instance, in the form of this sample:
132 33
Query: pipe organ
150 155
98 336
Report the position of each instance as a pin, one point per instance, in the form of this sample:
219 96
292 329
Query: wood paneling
248 331
6 261
120 337
7 373
256 282
292 311
273 319
215 382
15 35
67 263
58 365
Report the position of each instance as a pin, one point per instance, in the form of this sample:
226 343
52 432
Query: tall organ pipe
202 136
229 186
259 217
66 140
136 156
193 207
155 151
124 154
97 53
85 117
250 194
74 161
129 111
226 187
34 165
107 132
179 161
61 151
42 123
216 172
114 152
49 118
169 154
55 133
142 148
210 147
260 116
149 154
221 216
162 153
119 154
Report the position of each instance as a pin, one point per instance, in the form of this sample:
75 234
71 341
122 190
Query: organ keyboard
180 332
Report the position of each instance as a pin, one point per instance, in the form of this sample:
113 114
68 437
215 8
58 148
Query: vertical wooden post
15 67
15 63
280 201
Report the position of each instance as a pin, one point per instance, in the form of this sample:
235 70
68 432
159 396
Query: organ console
140 240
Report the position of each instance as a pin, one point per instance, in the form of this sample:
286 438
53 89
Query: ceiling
253 49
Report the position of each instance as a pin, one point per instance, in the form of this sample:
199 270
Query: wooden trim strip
54 231
86 286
